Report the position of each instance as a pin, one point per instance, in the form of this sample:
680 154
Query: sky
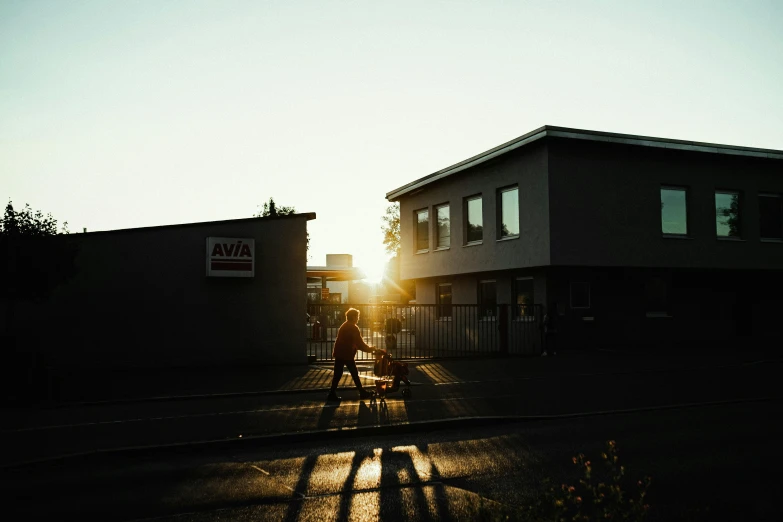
123 114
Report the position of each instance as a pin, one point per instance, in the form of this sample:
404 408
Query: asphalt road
720 458
30 435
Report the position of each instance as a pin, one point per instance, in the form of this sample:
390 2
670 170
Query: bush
602 493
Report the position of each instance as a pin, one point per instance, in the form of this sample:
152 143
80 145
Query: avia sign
230 257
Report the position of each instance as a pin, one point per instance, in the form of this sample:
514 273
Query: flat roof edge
307 215
569 133
647 141
470 162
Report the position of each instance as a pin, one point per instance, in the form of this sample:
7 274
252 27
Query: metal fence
429 331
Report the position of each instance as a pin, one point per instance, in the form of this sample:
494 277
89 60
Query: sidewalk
188 408
180 383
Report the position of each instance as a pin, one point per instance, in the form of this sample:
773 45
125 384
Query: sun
374 273
373 268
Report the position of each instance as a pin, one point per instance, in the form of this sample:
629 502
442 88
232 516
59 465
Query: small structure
335 282
198 294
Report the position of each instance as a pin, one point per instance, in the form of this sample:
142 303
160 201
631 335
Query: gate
429 331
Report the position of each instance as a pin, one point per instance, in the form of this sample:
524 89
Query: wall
526 167
708 311
605 206
141 298
464 287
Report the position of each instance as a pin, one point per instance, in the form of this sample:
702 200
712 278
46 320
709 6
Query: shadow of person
327 414
347 493
296 503
295 506
396 504
441 498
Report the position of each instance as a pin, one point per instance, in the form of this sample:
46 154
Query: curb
358 431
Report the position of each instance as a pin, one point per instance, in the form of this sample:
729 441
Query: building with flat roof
197 294
639 242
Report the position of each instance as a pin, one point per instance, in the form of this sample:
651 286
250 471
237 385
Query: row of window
522 293
728 213
674 217
507 220
656 297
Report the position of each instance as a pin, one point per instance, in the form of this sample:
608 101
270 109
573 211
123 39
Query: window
523 288
422 230
727 214
444 301
443 230
509 212
487 299
474 226
580 295
674 211
770 216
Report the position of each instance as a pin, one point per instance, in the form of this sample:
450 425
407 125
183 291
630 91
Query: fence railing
429 331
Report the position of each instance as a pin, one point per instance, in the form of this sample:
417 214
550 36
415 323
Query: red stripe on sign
244 266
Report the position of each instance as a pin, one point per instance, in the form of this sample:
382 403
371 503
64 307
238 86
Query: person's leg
358 382
354 373
338 374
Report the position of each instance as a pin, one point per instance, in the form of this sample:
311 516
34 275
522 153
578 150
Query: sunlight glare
373 266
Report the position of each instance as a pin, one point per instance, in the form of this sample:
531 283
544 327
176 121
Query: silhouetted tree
391 229
34 259
270 209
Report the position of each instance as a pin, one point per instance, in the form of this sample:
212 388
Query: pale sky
122 114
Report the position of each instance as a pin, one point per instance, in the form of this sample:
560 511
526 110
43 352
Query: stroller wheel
406 393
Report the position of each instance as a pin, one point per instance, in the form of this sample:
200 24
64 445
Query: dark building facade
641 242
201 294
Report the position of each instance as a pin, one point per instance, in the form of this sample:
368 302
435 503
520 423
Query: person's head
352 315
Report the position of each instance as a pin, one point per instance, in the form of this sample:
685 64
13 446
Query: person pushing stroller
349 340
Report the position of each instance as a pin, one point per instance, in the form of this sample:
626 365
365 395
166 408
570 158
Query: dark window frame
740 212
499 220
466 221
436 224
779 197
524 312
687 192
443 308
483 316
417 229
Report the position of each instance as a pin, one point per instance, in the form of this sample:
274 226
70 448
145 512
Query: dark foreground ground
706 463
476 440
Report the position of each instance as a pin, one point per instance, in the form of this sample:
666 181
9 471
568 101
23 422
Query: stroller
390 373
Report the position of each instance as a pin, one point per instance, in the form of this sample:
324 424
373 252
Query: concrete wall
526 167
141 298
605 206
